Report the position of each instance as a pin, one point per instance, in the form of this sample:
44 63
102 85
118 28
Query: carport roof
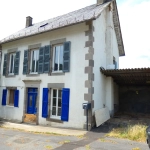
134 76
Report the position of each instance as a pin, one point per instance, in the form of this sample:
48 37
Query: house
49 69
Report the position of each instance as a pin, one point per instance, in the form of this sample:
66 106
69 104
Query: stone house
49 69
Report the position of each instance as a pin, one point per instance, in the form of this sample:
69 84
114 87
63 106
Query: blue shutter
46 59
65 104
4 97
45 103
16 98
66 57
41 60
16 64
5 65
25 62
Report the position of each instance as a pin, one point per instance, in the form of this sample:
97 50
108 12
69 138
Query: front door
32 96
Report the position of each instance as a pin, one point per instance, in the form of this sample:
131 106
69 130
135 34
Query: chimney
28 21
99 2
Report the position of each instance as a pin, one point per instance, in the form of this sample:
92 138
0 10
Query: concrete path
13 139
43 129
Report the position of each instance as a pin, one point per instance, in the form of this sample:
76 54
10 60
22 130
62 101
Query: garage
133 92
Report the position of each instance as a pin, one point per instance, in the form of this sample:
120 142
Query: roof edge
118 29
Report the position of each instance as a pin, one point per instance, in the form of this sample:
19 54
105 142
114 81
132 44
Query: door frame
31 84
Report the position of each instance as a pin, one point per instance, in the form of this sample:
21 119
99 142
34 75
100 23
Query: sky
133 14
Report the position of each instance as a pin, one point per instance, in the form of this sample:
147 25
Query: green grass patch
131 132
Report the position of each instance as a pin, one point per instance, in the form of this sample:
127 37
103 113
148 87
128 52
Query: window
34 61
58 58
11 96
56 100
11 63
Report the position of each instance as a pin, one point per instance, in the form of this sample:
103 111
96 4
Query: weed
136 148
132 132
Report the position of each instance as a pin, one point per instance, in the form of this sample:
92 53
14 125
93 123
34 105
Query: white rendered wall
74 80
105 47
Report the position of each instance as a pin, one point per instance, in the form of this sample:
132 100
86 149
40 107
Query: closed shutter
16 64
25 62
65 104
4 97
47 59
16 98
66 57
5 65
45 103
41 60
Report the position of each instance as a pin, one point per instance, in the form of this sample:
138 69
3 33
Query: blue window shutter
66 56
16 64
4 97
45 103
25 62
16 98
65 104
47 59
41 60
5 64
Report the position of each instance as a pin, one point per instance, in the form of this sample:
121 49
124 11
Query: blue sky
134 20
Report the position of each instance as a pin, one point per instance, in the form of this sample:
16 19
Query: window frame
53 60
31 54
51 102
10 54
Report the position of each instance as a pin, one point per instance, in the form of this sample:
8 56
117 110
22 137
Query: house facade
51 68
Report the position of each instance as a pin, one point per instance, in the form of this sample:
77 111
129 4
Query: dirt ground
30 118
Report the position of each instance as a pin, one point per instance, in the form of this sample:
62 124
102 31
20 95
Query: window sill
57 73
54 120
11 106
10 76
32 75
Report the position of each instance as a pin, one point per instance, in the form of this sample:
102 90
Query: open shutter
65 104
47 59
16 64
41 60
66 57
45 103
16 98
25 62
4 97
5 65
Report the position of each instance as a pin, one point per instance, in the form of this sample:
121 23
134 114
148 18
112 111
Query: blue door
32 96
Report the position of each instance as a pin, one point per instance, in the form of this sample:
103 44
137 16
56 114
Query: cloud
135 25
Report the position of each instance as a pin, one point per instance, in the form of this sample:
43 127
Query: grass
64 142
136 148
87 147
48 147
132 132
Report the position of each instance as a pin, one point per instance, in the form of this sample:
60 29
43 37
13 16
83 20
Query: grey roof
78 16
84 14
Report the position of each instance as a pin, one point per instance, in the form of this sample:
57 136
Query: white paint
104 50
101 116
110 95
74 80
105 47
